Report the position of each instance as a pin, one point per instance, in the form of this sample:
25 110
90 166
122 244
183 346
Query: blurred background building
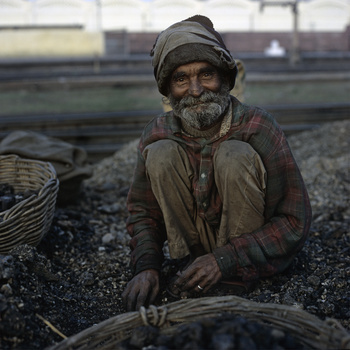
123 27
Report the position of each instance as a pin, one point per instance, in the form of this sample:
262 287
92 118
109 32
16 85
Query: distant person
214 177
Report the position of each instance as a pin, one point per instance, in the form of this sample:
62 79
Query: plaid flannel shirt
263 252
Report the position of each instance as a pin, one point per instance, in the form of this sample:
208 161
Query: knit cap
191 40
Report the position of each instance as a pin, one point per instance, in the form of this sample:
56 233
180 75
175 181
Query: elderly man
214 177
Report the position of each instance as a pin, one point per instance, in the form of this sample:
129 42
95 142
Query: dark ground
75 277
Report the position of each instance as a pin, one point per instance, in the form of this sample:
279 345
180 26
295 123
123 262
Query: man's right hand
142 290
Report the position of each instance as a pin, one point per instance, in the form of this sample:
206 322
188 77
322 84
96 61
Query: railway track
136 69
101 134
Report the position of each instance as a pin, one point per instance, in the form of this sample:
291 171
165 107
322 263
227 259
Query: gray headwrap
193 39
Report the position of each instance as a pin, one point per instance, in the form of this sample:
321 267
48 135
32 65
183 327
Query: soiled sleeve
145 222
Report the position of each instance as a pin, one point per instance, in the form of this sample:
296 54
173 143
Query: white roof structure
156 15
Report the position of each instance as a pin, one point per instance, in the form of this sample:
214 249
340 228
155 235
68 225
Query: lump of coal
225 332
8 197
143 336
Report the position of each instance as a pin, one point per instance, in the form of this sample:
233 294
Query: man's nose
195 88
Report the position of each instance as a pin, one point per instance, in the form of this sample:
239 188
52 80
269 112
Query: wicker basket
308 329
29 220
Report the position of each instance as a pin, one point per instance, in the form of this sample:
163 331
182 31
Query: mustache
190 101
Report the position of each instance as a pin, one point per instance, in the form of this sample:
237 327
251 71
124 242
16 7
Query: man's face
197 94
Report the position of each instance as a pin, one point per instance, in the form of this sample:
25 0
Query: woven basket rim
307 328
28 202
31 160
47 167
30 219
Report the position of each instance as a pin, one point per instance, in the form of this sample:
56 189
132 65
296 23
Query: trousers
240 177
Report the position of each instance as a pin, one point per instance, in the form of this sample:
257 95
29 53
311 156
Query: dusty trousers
240 178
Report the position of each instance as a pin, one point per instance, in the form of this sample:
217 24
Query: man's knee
235 159
233 154
161 156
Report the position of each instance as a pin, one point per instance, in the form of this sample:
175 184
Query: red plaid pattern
264 252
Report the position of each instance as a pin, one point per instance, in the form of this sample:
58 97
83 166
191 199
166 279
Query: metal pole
96 64
98 15
295 57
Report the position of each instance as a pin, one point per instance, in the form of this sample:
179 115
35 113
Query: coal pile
75 277
217 333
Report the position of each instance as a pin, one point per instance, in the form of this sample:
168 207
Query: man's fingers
191 277
141 301
151 291
153 295
190 283
131 300
132 296
185 276
136 297
142 289
200 276
125 297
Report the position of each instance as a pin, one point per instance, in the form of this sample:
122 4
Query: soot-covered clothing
266 250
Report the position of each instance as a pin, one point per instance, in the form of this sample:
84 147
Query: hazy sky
95 0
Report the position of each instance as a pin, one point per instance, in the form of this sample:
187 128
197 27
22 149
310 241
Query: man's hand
200 276
142 290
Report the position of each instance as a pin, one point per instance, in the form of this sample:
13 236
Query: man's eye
208 74
179 80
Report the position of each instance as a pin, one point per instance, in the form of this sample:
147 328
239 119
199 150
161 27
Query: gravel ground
75 277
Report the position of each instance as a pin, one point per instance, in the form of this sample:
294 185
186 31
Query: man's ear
166 104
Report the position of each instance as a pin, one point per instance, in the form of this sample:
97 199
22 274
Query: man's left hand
200 276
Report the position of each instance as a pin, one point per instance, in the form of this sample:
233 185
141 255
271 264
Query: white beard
203 111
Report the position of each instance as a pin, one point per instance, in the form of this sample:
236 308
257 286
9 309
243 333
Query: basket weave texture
308 329
28 221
